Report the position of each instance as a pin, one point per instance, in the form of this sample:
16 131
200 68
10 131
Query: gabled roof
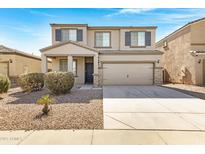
176 31
68 42
6 50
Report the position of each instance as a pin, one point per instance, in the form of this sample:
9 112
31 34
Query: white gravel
193 90
81 109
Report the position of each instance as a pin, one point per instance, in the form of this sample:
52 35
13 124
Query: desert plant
4 83
31 82
46 101
59 82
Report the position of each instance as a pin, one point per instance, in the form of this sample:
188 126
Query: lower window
64 66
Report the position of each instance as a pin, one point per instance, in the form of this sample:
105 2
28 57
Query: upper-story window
137 38
69 35
102 39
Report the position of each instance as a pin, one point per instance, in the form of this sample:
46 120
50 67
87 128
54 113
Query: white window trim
69 34
138 40
103 46
66 67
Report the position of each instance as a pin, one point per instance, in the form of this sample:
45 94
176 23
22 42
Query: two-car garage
128 73
131 67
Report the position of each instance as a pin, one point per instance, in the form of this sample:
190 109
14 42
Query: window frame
95 45
60 65
69 34
76 61
137 46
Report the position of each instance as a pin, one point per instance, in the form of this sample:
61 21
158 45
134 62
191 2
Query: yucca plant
46 101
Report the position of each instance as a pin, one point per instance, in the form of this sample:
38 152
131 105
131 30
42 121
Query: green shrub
59 82
4 83
31 82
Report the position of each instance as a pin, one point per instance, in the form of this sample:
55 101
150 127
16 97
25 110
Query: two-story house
105 55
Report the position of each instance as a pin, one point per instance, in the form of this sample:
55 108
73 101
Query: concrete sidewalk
88 137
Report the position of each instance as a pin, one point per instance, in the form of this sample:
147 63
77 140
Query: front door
89 73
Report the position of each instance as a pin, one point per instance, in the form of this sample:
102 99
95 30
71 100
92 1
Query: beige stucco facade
180 65
70 51
122 36
14 63
117 52
84 28
80 78
118 38
115 42
17 64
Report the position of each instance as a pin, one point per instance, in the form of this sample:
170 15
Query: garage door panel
128 74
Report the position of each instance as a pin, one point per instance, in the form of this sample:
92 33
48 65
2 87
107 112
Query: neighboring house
14 62
105 55
184 54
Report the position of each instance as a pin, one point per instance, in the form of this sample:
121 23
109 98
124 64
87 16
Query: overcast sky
29 30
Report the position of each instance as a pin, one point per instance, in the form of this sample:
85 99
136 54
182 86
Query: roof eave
122 27
141 52
64 43
14 51
179 29
102 27
72 25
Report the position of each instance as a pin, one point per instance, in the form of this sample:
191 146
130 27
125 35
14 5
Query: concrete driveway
151 108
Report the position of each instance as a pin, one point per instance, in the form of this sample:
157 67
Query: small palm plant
46 101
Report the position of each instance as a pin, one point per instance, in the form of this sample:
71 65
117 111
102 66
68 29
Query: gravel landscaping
193 90
81 109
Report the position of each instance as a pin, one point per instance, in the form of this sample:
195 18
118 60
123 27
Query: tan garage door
4 68
128 74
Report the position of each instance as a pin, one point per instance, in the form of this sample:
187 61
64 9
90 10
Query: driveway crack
161 138
120 121
191 123
25 137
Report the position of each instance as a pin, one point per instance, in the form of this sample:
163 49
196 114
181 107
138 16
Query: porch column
44 63
70 64
95 71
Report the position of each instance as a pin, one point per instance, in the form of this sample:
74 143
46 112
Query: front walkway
101 137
